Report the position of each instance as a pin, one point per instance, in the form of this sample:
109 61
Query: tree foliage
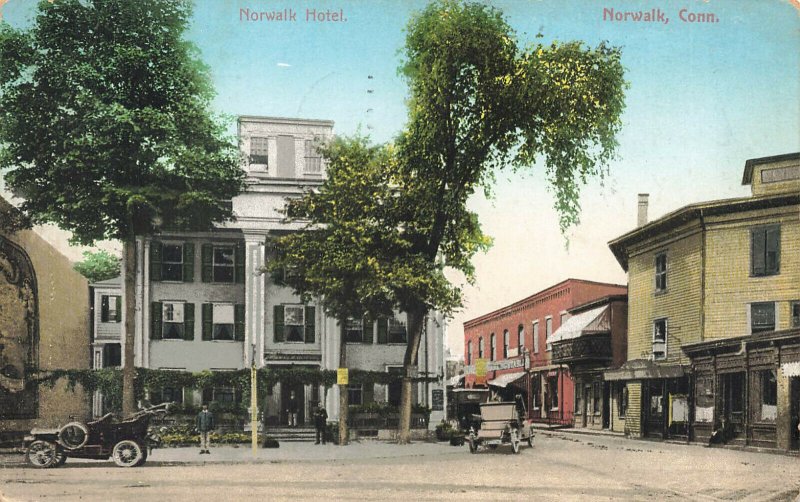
104 121
98 266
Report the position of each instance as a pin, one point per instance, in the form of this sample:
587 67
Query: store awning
505 380
791 369
596 320
643 369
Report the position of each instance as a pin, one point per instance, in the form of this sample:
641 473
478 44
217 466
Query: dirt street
560 466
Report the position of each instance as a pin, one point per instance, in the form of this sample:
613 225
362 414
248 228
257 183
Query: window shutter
104 308
188 321
277 316
188 262
155 320
772 258
118 317
368 330
208 321
155 260
310 327
207 261
383 327
239 263
238 322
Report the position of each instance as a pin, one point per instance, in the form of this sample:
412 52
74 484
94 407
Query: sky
703 98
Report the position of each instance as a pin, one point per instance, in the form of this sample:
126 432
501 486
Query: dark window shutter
155 320
104 308
155 260
277 317
238 322
239 263
772 257
208 321
383 327
368 330
310 327
207 260
188 262
188 321
118 317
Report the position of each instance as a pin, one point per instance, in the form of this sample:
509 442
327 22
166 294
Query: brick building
513 344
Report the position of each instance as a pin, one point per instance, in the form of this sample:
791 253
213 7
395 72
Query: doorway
292 398
794 400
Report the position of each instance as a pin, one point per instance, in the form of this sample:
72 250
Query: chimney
641 219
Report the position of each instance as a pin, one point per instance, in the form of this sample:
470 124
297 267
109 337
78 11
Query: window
765 246
597 397
112 355
548 332
794 308
223 321
397 332
354 330
536 395
173 328
731 387
110 308
480 347
492 346
622 400
579 390
469 352
223 263
294 323
521 338
258 150
762 317
563 319
355 394
505 343
769 395
659 339
173 261
661 272
313 159
172 320
166 395
535 337
552 388
221 395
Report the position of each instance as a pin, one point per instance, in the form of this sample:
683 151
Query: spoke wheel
128 453
42 454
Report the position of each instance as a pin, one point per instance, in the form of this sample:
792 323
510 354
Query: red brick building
508 349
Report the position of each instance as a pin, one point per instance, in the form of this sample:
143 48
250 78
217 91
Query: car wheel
128 453
73 435
42 454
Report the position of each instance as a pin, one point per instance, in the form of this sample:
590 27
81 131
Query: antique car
125 441
501 423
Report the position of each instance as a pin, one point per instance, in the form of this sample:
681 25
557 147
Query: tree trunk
129 283
343 398
416 321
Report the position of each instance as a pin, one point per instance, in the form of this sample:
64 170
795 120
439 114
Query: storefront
747 390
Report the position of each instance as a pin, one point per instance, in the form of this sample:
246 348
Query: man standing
320 420
292 410
205 424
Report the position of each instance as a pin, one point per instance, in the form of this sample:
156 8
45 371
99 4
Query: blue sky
703 98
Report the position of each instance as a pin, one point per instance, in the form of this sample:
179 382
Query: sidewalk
290 451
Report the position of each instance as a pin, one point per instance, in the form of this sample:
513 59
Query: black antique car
125 441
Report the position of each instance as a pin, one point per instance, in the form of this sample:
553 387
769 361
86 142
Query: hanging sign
342 376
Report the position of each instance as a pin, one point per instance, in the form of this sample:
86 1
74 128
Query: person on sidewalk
291 410
204 424
320 421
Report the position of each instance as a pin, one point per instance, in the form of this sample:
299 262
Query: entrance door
731 387
606 405
292 396
794 400
654 408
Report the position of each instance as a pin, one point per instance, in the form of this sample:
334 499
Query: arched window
492 347
469 352
480 348
521 338
506 341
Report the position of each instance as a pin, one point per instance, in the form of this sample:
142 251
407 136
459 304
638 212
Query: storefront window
769 395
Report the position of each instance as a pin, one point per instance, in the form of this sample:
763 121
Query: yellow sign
342 376
480 370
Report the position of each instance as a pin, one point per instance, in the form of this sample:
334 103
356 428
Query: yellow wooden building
714 315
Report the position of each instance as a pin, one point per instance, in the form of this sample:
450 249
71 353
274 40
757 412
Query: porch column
254 299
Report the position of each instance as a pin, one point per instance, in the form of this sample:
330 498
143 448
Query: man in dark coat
204 424
320 420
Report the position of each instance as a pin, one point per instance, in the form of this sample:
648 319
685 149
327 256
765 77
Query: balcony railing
587 348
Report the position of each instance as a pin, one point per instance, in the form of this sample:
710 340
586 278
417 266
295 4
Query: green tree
98 265
105 128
